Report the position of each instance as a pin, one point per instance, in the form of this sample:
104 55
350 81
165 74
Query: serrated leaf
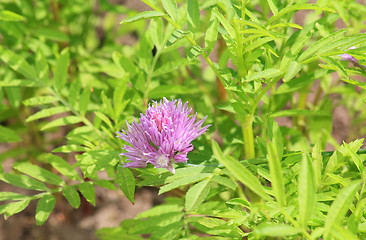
126 182
335 64
44 208
62 122
62 65
171 8
71 195
339 207
47 113
62 166
38 173
88 191
23 181
355 82
276 230
39 100
239 172
9 16
193 16
306 190
8 135
196 194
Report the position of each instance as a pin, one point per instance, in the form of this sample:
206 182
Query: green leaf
194 52
306 190
14 96
276 230
39 100
184 181
47 113
293 68
355 82
15 207
52 34
355 158
276 174
42 66
62 65
211 34
62 122
22 181
273 7
225 23
84 100
74 92
70 148
126 182
267 73
18 63
170 90
336 64
44 208
295 7
38 173
193 16
314 48
8 135
297 112
11 196
339 207
196 194
71 195
176 35
317 164
171 8
62 166
106 184
141 16
88 191
239 172
9 16
225 181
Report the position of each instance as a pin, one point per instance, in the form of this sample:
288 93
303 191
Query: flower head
162 136
350 58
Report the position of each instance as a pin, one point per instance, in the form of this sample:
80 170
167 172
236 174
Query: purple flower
350 58
162 136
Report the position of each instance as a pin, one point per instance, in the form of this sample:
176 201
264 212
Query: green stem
247 128
149 74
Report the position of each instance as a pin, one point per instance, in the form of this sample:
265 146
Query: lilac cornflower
162 136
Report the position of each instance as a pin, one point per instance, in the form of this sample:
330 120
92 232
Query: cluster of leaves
62 71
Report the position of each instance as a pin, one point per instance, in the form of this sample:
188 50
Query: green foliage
244 64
